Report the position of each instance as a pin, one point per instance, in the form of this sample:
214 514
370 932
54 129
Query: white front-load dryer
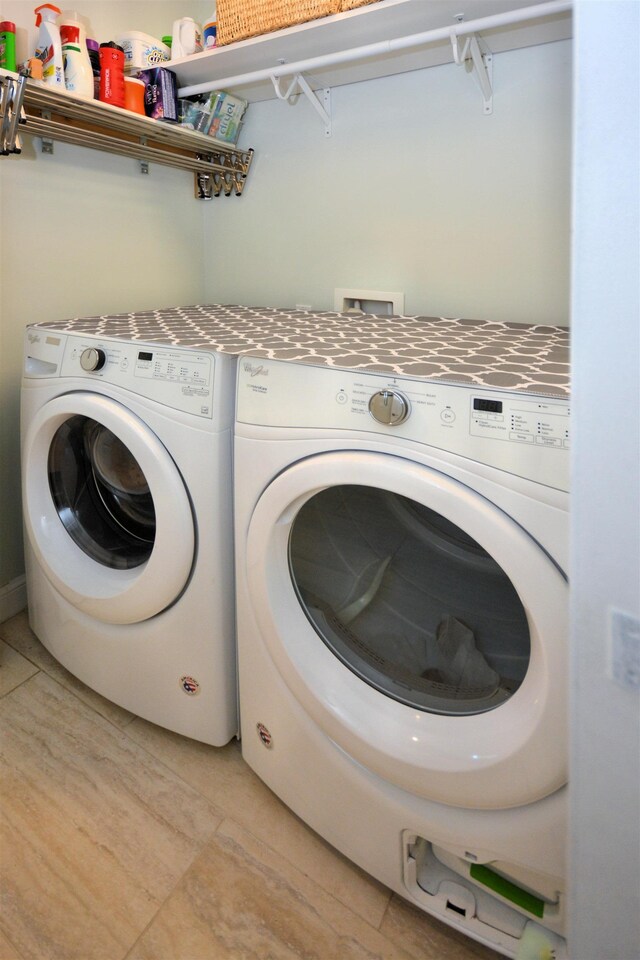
402 606
126 467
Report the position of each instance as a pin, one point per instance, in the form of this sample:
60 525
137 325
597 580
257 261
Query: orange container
134 95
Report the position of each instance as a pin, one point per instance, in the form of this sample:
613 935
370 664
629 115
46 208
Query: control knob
92 359
389 407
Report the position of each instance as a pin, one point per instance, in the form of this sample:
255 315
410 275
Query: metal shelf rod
49 129
124 121
508 18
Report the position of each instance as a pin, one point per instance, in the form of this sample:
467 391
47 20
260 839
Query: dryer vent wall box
379 302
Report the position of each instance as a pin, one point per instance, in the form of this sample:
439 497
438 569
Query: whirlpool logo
255 369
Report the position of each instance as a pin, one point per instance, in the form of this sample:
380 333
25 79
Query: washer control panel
182 379
523 434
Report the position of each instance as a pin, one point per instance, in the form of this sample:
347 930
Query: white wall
605 716
82 233
416 191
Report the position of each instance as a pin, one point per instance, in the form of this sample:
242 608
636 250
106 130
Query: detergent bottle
210 30
78 72
49 47
8 45
186 38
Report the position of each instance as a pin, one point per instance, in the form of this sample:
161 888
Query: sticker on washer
264 734
190 686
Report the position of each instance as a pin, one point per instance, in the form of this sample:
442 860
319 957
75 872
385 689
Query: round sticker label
190 686
264 734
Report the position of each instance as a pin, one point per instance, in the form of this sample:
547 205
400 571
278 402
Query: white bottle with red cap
78 73
49 46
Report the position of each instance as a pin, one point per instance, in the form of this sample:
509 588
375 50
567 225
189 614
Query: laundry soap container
78 72
8 45
209 31
49 46
186 38
142 51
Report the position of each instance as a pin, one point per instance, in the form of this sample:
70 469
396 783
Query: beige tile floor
123 841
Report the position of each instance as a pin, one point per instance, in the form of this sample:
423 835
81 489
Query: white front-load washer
401 549
126 466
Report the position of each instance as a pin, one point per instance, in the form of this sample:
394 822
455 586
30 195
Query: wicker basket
240 19
352 4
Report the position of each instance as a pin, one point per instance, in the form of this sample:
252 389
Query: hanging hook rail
12 112
56 116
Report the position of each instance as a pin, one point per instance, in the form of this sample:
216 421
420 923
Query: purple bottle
93 48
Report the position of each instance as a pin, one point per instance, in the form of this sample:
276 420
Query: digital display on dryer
145 356
488 406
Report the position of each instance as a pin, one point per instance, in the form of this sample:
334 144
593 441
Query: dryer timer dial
92 359
389 407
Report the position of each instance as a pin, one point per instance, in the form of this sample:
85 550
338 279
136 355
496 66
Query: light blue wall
83 232
416 191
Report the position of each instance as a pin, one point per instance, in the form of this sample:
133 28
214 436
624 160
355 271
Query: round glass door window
408 601
101 494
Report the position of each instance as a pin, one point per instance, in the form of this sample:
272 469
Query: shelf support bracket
144 164
298 84
474 55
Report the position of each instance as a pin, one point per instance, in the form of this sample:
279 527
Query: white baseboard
13 598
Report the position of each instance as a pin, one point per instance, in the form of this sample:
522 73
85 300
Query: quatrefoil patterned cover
507 356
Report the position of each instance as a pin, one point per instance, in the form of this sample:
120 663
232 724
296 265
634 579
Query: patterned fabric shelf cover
507 356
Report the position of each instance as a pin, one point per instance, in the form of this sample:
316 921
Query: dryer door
106 511
420 626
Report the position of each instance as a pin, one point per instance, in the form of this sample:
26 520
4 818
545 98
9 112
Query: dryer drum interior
408 601
101 494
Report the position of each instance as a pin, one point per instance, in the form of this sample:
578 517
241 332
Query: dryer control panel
514 431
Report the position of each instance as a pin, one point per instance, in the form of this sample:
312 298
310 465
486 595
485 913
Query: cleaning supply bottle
78 74
49 47
8 45
93 49
209 30
186 38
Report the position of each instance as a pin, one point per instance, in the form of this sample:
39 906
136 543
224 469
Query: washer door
420 626
106 511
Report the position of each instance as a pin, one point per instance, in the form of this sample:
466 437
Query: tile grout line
22 682
197 853
385 911
222 814
170 893
10 940
328 893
